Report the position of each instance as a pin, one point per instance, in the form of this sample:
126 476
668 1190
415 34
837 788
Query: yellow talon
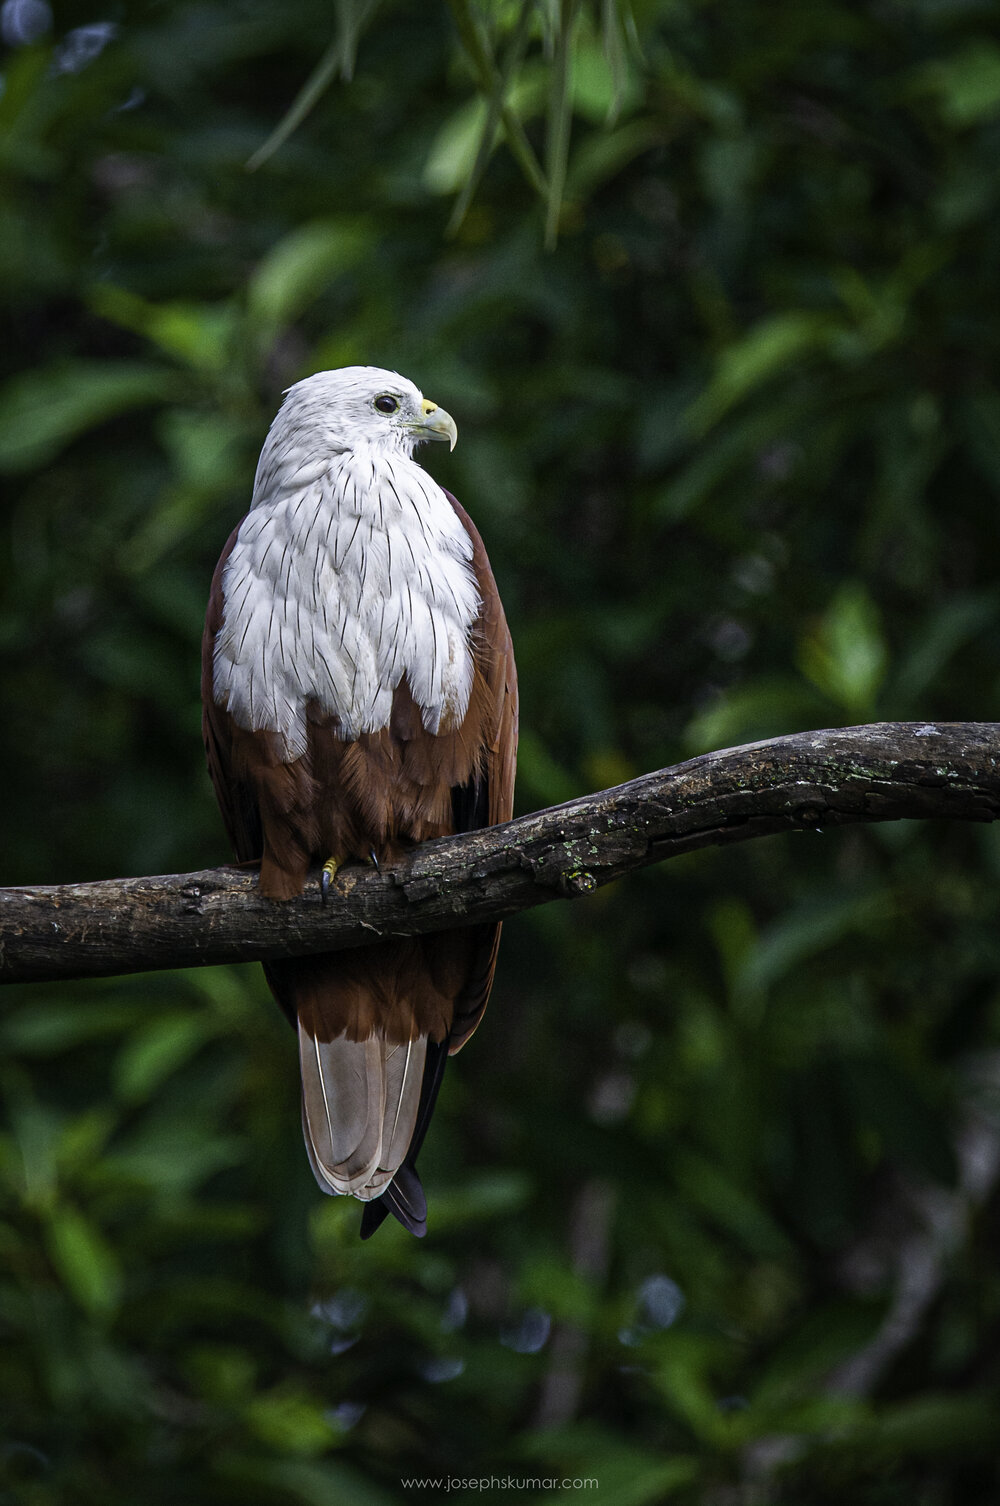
327 877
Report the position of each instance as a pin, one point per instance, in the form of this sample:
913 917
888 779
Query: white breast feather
346 575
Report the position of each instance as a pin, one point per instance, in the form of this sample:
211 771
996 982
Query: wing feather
488 798
237 801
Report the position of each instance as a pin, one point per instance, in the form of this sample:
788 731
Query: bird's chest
337 589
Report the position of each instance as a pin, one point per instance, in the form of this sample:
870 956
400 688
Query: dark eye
387 403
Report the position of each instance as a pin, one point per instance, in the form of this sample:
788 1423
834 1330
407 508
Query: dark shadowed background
714 1206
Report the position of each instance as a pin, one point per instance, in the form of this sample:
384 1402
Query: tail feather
404 1199
360 1101
404 1071
366 1103
373 1216
343 1098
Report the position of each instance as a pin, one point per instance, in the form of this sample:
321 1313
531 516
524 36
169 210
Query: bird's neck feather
347 573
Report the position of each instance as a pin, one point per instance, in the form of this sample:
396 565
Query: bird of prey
359 696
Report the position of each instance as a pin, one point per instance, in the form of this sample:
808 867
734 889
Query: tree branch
885 772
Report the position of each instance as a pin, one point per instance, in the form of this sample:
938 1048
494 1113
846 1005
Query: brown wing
488 798
237 801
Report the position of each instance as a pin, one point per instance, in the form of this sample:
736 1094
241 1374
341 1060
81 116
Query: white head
364 404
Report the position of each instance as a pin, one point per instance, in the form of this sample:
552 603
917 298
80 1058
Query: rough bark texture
886 772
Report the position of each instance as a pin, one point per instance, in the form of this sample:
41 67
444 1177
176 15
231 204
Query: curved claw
327 877
374 856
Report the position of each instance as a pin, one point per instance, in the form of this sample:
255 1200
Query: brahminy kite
359 696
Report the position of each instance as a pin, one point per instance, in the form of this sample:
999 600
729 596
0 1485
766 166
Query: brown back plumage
375 1025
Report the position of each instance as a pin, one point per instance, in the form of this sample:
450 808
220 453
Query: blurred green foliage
714 1208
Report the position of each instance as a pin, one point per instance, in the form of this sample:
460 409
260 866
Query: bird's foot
327 876
373 855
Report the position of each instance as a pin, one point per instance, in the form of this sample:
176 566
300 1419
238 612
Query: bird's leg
332 867
327 876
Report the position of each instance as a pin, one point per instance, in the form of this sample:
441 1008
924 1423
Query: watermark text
448 1483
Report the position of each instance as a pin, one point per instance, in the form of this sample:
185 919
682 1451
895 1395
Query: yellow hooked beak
438 424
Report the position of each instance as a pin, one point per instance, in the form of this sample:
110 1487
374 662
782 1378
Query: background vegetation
711 289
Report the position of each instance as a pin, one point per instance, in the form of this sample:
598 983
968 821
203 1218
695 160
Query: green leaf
617 30
453 152
199 335
301 265
42 411
174 1157
769 348
472 34
488 1196
802 933
682 1376
339 57
83 1140
560 118
548 782
156 1050
730 1205
735 934
601 83
937 1424
84 1259
36 1131
291 1422
221 1372
625 1472
53 1025
967 84
457 154
846 655
932 646
604 154
819 1340
497 101
309 1482
765 707
205 447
